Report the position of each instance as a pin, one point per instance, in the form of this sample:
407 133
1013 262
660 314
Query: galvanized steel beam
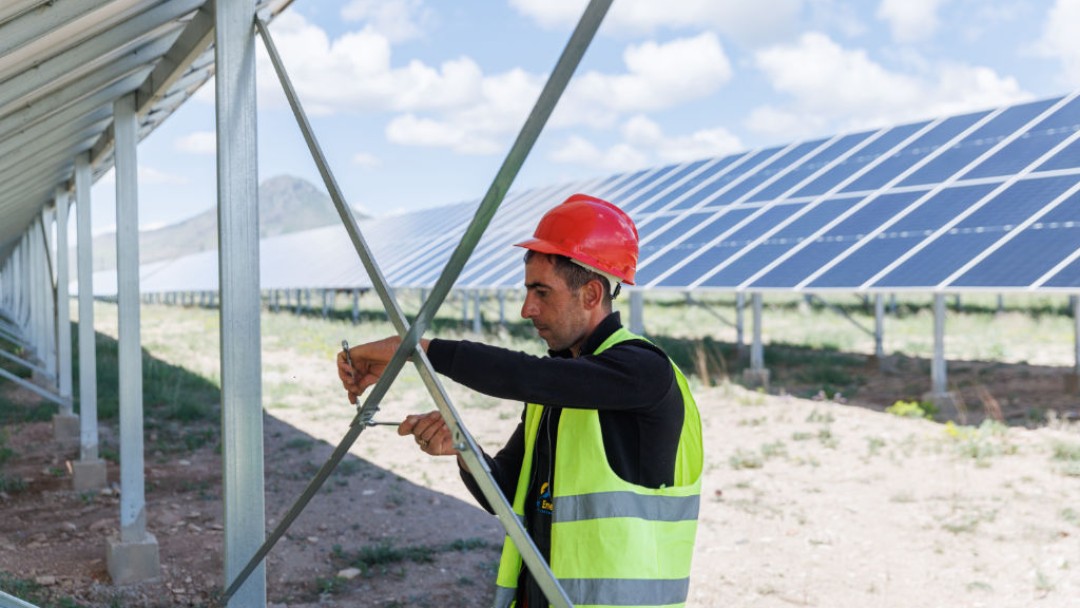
88 432
132 496
63 308
238 236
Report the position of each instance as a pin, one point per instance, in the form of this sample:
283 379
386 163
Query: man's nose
527 309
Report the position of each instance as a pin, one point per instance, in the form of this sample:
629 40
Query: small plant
1071 515
874 445
775 449
818 417
913 409
12 485
384 553
5 452
825 437
982 442
301 444
743 459
329 585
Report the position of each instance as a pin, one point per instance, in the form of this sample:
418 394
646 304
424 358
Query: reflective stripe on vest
613 543
625 504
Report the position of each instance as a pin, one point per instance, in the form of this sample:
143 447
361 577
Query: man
605 465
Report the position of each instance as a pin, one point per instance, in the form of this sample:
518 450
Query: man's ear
592 294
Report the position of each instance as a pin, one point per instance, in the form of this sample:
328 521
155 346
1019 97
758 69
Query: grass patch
12 485
376 559
1069 454
980 443
170 392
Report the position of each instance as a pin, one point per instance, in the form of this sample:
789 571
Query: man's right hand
430 432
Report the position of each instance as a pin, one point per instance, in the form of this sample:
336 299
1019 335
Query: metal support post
477 321
939 393
355 306
502 307
757 375
637 311
879 326
88 473
757 350
65 422
238 236
134 556
740 321
1072 382
325 303
63 305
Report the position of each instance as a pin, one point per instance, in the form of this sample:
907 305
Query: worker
605 466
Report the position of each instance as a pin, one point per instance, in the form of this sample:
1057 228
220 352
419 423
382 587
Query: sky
416 102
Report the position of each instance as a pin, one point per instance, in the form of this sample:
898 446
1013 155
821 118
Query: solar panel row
985 200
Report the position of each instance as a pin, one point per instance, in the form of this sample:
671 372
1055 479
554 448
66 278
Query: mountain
286 204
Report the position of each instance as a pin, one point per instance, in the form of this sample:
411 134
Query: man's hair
574 275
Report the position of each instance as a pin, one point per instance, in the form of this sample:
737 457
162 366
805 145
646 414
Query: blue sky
416 102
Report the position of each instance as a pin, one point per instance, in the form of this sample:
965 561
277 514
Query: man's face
558 314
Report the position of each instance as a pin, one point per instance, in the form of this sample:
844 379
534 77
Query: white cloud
657 76
412 130
199 142
354 72
1060 39
366 160
746 23
645 144
910 20
398 20
484 127
845 89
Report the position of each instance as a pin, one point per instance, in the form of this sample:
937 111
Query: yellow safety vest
613 543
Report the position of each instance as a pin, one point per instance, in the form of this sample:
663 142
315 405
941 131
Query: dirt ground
806 502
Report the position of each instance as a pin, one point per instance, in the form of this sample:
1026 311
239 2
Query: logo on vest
544 504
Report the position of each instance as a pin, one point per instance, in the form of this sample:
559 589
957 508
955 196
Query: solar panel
982 200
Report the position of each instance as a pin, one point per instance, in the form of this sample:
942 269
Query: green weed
980 443
913 409
11 485
383 554
1068 454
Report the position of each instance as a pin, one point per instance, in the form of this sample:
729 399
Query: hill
286 204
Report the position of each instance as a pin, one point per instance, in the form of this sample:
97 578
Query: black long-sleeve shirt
631 384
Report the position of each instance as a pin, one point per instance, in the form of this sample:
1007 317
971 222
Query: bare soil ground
805 502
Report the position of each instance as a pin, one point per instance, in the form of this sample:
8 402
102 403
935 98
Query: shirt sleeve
629 376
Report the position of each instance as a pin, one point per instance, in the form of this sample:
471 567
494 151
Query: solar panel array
986 200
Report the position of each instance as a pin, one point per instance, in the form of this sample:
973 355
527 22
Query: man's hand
430 432
368 362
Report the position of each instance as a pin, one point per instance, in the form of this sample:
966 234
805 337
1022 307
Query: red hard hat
591 231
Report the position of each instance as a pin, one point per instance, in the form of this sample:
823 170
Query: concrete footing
756 378
66 429
88 475
133 562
